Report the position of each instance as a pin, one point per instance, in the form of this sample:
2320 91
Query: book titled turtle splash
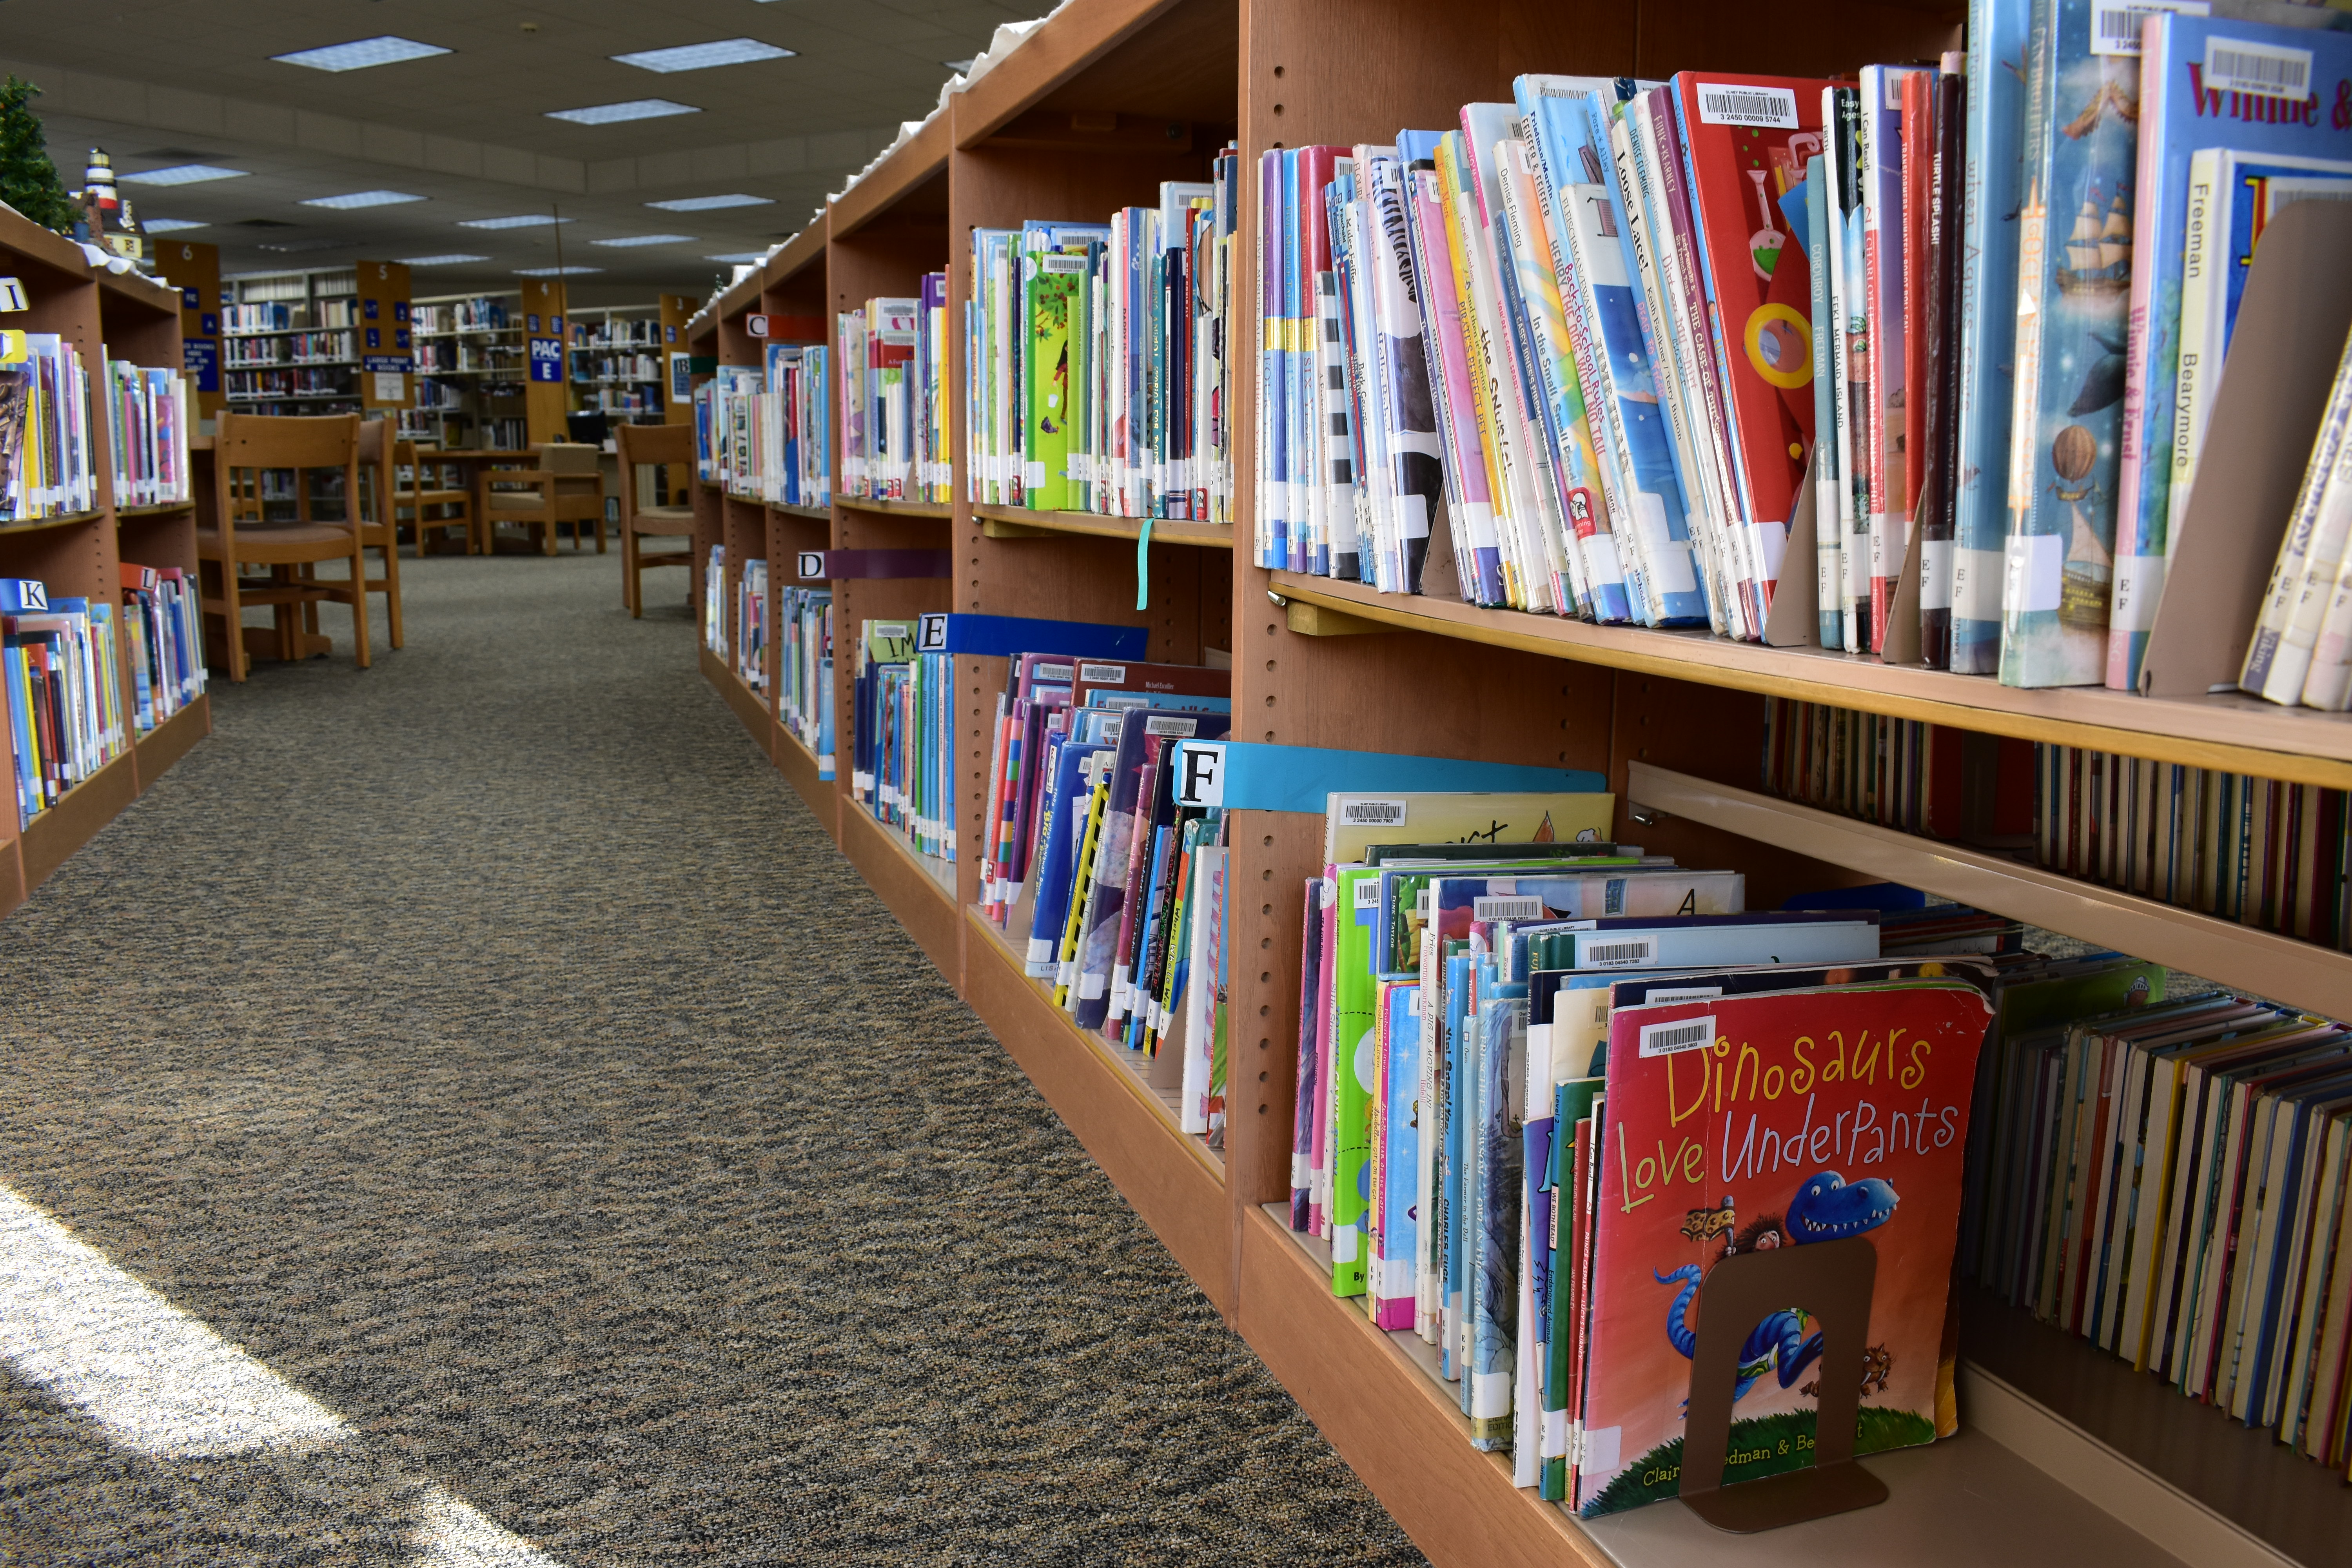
1737 1123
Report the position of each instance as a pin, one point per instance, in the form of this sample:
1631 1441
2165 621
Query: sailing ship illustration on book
2098 250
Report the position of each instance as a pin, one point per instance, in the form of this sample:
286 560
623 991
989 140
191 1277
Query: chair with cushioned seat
564 487
650 446
246 449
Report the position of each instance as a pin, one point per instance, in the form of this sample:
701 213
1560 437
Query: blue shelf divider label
1246 776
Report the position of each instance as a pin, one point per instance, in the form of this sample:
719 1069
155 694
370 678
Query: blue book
1075 767
1829 607
1988 241
2081 155
1392 1289
2190 99
1451 1185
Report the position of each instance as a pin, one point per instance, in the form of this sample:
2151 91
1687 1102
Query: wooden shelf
79 813
2298 973
905 174
2232 732
160 508
1022 522
939 510
167 742
1172 1179
799 766
912 885
821 513
55 520
748 704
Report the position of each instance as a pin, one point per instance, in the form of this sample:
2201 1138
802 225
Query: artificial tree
28 179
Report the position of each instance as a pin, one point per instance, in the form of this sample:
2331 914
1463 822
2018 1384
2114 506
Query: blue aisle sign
546 358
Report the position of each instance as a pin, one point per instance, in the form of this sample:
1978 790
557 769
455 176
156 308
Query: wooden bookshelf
816 513
2066 1455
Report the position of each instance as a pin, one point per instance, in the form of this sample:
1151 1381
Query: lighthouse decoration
109 219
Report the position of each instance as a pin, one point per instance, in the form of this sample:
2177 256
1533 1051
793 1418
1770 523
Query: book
1874 1148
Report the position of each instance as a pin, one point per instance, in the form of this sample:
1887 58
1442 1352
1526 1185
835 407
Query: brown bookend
1832 1281
1794 620
2266 410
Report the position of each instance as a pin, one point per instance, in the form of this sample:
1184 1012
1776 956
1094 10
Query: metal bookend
1833 1282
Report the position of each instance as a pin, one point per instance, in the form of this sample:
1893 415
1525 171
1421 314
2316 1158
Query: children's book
1775 1120
2205 82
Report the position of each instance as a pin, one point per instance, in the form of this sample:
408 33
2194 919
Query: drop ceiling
163 82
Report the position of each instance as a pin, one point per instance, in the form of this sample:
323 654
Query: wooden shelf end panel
1167 1184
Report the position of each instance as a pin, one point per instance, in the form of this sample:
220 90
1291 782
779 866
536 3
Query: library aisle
578 1161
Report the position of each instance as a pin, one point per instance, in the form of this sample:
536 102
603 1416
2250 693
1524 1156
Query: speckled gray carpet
490 1046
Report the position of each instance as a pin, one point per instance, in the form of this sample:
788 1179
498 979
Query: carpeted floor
491 1045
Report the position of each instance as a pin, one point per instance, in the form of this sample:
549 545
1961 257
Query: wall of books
1450 619
101 663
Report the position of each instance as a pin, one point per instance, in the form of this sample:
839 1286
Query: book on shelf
47 447
893 367
162 634
804 681
147 424
751 624
62 668
714 601
1097 351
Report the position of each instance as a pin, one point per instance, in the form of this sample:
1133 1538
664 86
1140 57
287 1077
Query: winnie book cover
1737 1123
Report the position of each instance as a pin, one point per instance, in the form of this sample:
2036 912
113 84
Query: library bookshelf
79 555
2066 1454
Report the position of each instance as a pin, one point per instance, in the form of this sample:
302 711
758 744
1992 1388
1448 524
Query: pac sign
546 360
1200 773
812 563
931 634
756 325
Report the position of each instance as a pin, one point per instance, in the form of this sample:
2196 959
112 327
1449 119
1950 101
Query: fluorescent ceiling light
524 220
170 225
180 175
360 53
710 203
702 56
960 66
449 260
613 113
554 271
740 255
362 199
645 240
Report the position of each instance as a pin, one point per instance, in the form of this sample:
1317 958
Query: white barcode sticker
1123 701
1168 724
1102 674
1053 672
1065 264
1420 903
1662 995
2239 65
1500 907
2116 24
1724 103
1622 954
1371 812
1681 1035
1368 892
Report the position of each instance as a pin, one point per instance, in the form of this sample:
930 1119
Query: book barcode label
1102 674
1681 1035
1167 724
1420 903
1372 813
1053 672
1123 701
2116 24
2236 65
1500 907
1368 892
1662 996
1724 104
1617 954
1065 264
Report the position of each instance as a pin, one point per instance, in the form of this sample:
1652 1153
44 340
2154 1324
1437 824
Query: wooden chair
379 525
429 506
565 486
245 447
650 446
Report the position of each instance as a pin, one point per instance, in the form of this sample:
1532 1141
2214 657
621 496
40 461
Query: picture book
2074 274
1764 1121
2205 82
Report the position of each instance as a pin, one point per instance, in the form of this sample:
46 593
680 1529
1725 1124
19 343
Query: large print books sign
1801 1116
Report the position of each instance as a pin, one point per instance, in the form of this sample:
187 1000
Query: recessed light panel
614 113
522 220
181 175
364 199
710 203
645 240
450 260
170 225
554 271
740 255
702 56
360 53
